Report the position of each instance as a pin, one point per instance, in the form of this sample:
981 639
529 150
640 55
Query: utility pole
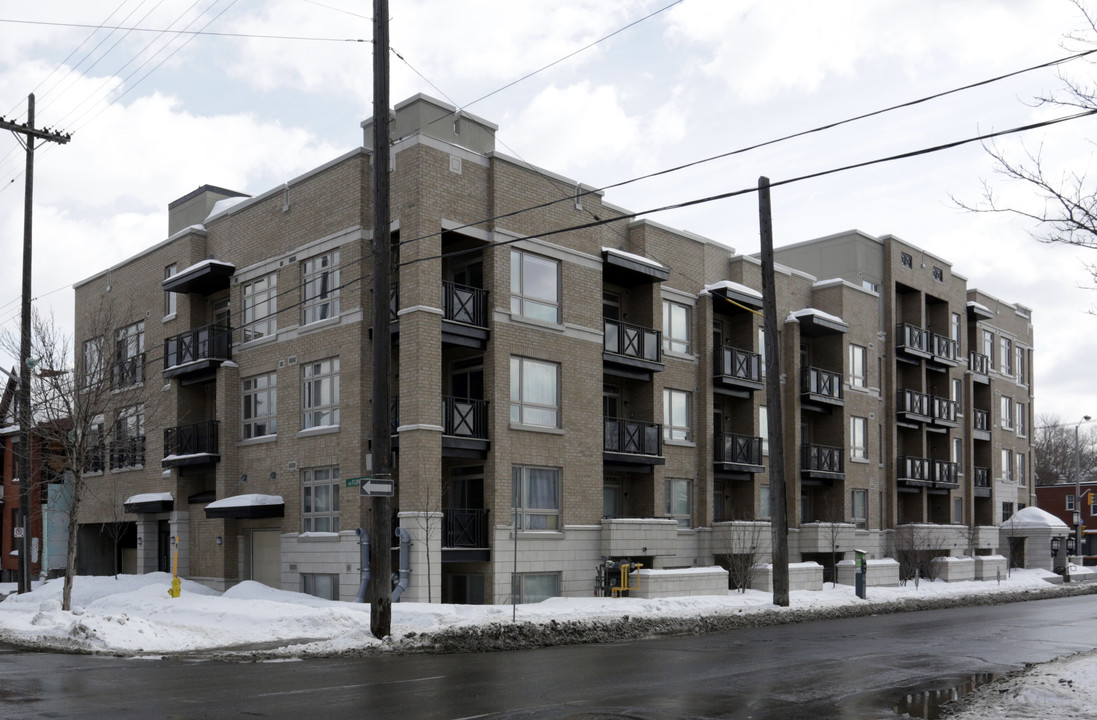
25 418
773 402
380 611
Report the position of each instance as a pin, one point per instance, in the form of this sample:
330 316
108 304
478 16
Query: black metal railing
465 528
209 342
912 337
632 437
822 458
912 468
816 381
195 439
634 341
914 402
464 417
944 347
981 420
464 304
394 301
95 458
128 452
128 371
736 363
946 472
739 449
394 413
944 409
978 363
982 476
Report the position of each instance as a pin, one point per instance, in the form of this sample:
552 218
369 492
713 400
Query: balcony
631 351
946 474
982 481
980 424
632 445
912 406
465 535
818 386
95 459
195 355
464 315
737 454
912 341
944 412
944 349
464 427
979 365
821 462
128 372
913 471
191 445
736 372
203 278
127 453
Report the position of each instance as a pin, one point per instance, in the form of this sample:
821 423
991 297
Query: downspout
405 563
363 569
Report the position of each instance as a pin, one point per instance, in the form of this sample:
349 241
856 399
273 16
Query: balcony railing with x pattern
464 417
978 363
982 477
821 383
981 420
944 410
464 304
195 439
913 468
737 449
912 339
730 362
912 402
129 452
464 528
944 348
821 458
209 342
946 473
127 372
632 437
634 341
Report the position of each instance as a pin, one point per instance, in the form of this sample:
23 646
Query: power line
206 33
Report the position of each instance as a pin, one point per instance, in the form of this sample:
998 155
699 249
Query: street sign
353 482
18 531
375 486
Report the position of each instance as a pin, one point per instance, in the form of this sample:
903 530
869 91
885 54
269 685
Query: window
170 298
675 327
1019 365
260 405
321 586
763 428
1007 412
858 504
957 511
680 501
869 285
956 392
1007 465
988 347
1070 503
320 499
320 287
857 355
677 415
129 355
128 448
534 286
537 492
320 394
765 503
762 349
958 454
1019 419
261 307
1007 511
94 460
1022 476
954 332
534 392
612 497
858 438
938 274
906 259
1006 357
93 362
536 587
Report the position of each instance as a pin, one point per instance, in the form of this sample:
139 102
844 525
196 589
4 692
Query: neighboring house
1061 501
604 386
10 484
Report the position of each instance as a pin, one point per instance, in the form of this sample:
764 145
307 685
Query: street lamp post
1078 485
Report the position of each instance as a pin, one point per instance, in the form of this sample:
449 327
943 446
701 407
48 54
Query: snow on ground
135 615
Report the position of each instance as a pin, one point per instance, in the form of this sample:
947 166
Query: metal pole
1078 486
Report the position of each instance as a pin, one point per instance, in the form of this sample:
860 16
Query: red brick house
1059 500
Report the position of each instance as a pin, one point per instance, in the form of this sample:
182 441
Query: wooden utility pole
380 564
25 417
779 515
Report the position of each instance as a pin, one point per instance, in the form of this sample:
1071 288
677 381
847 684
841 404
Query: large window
1019 419
1007 465
858 506
857 355
535 587
679 495
763 428
988 346
954 331
320 394
1019 364
765 503
537 493
957 510
170 299
676 415
129 355
534 286
260 410
321 586
956 392
858 438
93 362
958 453
320 499
1006 357
534 392
128 448
1022 476
676 327
1007 511
261 307
320 287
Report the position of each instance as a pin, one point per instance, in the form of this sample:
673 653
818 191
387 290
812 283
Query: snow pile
1060 689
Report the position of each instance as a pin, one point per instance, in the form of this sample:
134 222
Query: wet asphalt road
852 668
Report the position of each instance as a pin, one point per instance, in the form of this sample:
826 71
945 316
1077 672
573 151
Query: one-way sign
374 486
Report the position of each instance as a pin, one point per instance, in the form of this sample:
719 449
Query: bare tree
745 543
1054 449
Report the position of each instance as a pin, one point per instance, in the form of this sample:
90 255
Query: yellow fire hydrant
176 585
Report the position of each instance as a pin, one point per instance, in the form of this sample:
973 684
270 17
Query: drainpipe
405 564
363 569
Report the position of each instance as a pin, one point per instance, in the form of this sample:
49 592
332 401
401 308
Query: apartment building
595 382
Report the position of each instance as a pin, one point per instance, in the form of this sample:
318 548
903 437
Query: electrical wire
205 33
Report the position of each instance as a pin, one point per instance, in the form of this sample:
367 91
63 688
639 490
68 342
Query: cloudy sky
270 89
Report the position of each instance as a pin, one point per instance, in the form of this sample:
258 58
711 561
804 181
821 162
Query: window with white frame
762 349
676 324
1007 511
320 393
171 300
956 392
320 499
129 355
677 414
958 453
1070 503
763 428
1007 465
954 328
765 503
536 587
1006 406
957 511
857 361
260 411
534 392
536 492
679 496
93 362
1006 357
320 287
988 346
534 286
858 438
260 307
1022 476
1019 419
128 448
321 586
858 506
1019 365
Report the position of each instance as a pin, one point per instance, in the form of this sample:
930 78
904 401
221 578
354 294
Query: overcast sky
155 115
